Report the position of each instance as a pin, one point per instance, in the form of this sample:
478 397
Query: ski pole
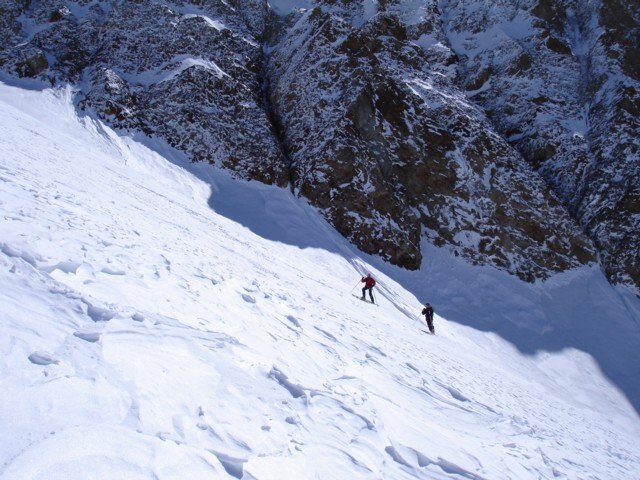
354 287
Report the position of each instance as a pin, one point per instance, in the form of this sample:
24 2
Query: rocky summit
507 133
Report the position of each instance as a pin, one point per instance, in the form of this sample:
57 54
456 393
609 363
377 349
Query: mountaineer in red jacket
369 283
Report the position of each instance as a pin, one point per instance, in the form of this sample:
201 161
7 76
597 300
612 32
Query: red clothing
368 281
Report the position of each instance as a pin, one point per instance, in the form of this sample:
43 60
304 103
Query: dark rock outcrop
560 81
502 132
388 147
186 72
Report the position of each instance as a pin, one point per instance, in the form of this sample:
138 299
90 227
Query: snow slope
161 320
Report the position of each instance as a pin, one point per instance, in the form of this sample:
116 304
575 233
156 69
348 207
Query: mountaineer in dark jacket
427 311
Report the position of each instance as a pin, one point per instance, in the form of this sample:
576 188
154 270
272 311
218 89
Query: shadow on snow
577 309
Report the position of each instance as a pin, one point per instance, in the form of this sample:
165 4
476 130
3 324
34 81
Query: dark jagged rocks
503 133
186 72
560 81
386 144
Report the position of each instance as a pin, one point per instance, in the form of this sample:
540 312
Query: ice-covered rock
186 72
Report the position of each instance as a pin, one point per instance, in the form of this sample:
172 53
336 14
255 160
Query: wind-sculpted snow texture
187 72
155 325
560 79
388 147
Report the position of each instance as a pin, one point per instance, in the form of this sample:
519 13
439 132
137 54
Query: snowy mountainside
504 131
344 106
162 320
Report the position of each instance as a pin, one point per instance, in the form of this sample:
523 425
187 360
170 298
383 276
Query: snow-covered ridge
166 321
171 69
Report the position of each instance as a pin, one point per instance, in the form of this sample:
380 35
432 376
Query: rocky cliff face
474 125
186 72
560 81
383 141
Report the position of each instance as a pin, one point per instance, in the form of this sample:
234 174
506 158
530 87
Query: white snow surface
163 320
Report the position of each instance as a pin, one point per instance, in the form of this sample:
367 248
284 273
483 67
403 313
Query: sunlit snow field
162 320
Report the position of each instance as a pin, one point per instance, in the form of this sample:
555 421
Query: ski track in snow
146 335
